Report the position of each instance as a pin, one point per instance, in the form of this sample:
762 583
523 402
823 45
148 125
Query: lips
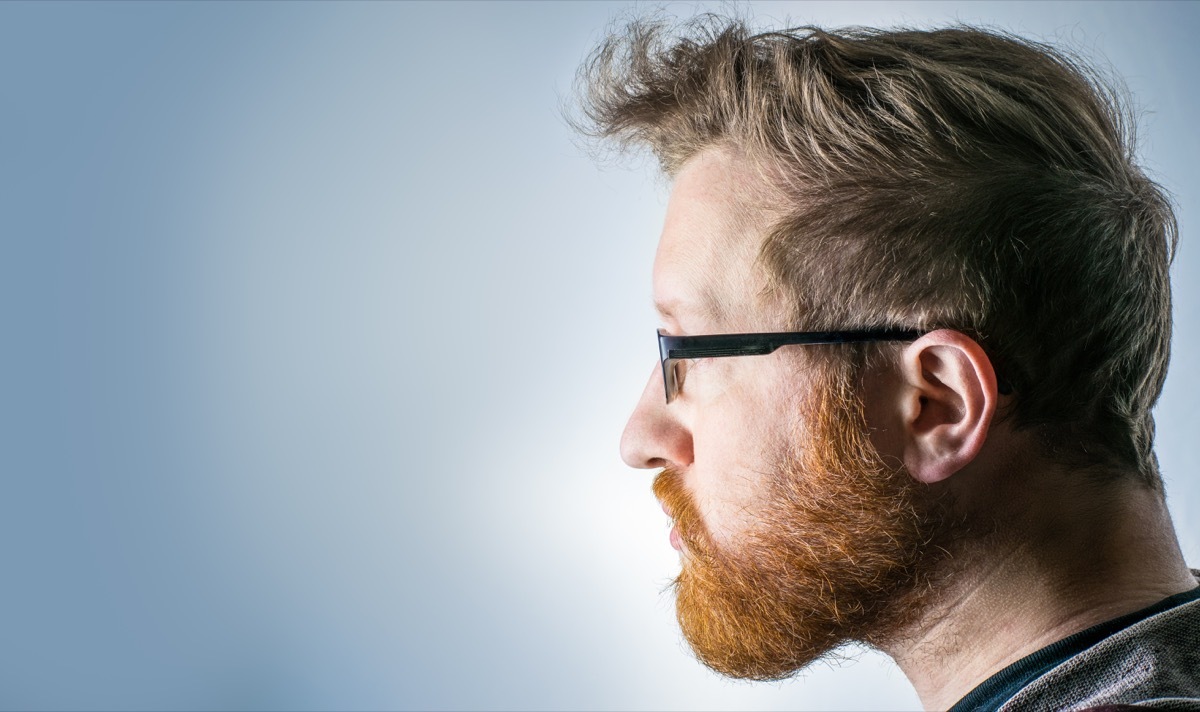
676 540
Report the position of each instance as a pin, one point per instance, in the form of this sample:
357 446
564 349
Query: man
916 312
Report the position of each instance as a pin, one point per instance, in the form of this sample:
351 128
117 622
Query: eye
684 366
680 371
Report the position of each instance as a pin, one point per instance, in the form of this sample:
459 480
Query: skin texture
1012 552
704 253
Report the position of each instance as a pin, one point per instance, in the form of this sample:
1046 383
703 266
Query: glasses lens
671 378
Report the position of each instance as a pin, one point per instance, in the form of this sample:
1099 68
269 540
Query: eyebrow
666 310
673 309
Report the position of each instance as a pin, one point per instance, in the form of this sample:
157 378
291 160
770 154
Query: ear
947 401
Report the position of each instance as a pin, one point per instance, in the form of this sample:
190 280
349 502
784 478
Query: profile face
725 421
795 537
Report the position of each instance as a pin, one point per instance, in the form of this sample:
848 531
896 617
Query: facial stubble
845 548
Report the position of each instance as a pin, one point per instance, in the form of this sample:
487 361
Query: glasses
673 349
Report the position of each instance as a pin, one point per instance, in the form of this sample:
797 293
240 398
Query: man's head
797 534
966 184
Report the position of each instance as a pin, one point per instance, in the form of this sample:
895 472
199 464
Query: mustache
671 490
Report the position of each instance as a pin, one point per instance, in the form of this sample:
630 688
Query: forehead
704 271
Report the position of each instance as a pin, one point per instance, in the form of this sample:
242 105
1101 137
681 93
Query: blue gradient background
319 336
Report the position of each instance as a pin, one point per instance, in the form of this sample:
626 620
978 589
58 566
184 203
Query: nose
654 435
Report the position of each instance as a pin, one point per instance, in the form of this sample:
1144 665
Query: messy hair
955 178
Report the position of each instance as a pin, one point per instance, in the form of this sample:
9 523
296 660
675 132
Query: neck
1056 565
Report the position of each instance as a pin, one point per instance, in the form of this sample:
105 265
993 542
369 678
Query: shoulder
1154 663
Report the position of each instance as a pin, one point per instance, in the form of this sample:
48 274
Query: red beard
845 549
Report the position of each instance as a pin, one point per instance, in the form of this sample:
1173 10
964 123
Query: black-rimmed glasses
673 349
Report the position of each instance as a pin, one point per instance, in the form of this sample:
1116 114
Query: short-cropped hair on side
955 178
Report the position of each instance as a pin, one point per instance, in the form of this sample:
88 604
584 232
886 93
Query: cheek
740 440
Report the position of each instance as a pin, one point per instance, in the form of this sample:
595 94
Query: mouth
675 539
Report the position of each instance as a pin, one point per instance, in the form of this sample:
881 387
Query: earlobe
949 398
